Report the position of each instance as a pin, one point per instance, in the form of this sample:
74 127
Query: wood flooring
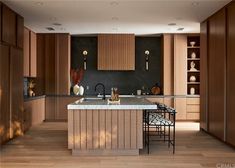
45 146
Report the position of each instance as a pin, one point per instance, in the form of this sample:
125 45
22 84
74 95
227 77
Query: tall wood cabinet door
63 63
20 31
8 25
26 52
180 104
50 108
16 90
204 77
216 73
33 54
4 94
231 75
50 70
0 21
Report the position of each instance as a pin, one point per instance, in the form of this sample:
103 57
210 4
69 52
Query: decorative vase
192 91
81 90
192 43
193 55
192 79
76 89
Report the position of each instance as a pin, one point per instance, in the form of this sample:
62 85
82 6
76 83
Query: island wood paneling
105 130
116 52
204 76
216 73
4 94
230 74
180 75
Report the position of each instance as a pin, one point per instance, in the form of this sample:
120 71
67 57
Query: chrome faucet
103 87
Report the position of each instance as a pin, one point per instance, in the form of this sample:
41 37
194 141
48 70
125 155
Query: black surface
127 82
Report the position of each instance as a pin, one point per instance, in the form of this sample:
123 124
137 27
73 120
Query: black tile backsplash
127 82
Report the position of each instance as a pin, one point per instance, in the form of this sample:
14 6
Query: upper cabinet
0 21
116 52
30 53
20 31
8 26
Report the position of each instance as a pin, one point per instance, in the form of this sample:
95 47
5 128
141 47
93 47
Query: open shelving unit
193 73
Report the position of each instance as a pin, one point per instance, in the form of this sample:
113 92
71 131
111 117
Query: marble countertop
126 103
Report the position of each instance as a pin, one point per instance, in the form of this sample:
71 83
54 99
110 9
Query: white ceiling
116 16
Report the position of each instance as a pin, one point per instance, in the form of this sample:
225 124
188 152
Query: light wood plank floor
45 146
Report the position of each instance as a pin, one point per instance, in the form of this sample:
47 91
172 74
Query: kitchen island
98 128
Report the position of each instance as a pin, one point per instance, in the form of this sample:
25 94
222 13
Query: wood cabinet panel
20 31
4 94
180 106
16 89
216 73
116 52
180 64
193 116
204 76
0 21
193 108
50 108
193 101
8 25
33 54
26 52
34 112
230 75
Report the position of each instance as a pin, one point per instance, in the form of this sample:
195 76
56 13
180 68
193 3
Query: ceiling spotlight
57 24
115 18
172 24
115 29
62 28
195 3
114 3
50 28
180 29
39 3
53 18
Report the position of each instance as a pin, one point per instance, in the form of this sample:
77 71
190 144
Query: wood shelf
194 71
198 47
193 59
193 83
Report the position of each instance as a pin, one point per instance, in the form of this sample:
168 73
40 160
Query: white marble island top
126 103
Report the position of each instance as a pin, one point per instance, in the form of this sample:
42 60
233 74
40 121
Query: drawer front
193 101
193 108
193 116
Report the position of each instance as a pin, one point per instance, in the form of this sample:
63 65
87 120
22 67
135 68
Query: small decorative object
84 58
156 89
31 87
76 89
81 90
146 52
192 43
138 92
192 66
193 55
114 97
192 91
76 76
192 79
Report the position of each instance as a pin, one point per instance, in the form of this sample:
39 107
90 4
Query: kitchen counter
137 103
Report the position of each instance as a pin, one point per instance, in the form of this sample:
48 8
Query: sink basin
88 99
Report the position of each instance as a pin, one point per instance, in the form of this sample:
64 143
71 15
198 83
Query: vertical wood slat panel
114 129
102 129
108 130
71 130
77 129
83 132
95 125
89 129
121 135
127 130
133 129
139 129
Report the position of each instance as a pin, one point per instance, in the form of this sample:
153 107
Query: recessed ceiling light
115 29
180 29
39 3
53 18
57 24
115 18
114 3
179 18
172 24
195 3
62 28
50 28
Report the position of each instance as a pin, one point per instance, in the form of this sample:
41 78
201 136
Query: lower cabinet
193 109
34 112
56 107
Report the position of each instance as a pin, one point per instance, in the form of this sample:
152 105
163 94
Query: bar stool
163 121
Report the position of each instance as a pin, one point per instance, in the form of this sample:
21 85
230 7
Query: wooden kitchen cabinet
116 52
230 136
4 93
30 53
193 109
8 26
0 21
16 90
20 31
34 112
216 73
